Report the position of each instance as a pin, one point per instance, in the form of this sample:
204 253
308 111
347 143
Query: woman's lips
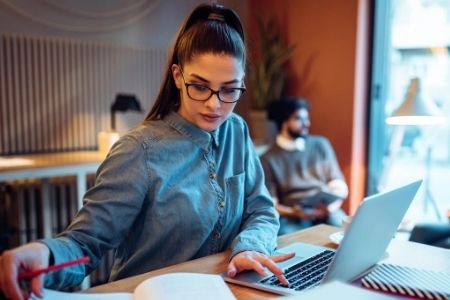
210 117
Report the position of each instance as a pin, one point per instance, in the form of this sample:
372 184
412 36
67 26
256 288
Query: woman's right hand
28 257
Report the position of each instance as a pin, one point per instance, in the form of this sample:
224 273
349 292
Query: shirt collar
198 135
215 136
291 145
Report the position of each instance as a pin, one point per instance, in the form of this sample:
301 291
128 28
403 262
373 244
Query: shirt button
212 175
221 204
217 235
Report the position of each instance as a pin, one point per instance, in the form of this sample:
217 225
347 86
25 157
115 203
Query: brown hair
210 28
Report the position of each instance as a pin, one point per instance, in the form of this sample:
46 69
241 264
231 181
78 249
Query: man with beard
299 165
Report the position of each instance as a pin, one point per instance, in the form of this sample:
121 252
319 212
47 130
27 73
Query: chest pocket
234 195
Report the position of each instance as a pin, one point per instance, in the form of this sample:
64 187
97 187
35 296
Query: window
411 41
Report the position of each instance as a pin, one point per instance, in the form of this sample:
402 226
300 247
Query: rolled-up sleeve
109 210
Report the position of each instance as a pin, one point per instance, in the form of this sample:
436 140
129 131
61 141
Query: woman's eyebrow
198 77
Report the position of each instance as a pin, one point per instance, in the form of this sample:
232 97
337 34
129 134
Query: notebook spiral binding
406 281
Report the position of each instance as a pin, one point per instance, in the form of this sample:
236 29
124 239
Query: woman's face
215 71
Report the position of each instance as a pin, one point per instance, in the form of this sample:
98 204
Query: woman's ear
176 73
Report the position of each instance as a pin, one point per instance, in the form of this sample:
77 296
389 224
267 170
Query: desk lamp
122 103
416 109
419 110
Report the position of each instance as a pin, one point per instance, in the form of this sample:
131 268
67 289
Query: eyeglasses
200 92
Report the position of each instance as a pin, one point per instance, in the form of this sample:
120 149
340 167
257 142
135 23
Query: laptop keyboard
306 274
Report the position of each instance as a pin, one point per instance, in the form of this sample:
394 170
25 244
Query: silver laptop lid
373 226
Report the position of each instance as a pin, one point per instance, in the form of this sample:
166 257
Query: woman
184 184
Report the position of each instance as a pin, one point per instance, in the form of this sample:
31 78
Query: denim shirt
166 193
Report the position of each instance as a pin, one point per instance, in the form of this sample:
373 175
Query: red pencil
34 273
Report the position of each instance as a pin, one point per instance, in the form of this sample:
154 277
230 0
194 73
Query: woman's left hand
253 260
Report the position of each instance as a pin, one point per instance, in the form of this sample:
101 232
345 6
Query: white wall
152 24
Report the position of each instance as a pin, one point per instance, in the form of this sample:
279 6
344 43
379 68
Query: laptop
363 245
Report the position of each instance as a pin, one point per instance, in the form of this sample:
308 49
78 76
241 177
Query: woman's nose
213 101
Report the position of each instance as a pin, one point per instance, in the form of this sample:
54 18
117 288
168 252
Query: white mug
346 222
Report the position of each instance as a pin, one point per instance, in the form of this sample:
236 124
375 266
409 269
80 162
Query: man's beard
297 134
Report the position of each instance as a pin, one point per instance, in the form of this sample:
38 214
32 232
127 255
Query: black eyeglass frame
213 92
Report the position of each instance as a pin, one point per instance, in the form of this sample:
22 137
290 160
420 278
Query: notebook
324 197
364 244
170 286
406 281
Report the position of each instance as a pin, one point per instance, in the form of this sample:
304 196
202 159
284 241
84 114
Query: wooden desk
44 166
400 252
218 263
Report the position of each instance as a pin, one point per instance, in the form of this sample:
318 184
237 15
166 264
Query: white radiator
25 211
29 205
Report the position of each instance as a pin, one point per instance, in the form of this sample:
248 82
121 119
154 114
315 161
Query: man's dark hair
281 110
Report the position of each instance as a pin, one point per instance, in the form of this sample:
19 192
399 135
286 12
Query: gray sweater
293 175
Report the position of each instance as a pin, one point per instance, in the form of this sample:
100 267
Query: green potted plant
267 75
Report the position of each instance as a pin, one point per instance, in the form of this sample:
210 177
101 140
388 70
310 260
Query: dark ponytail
210 28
